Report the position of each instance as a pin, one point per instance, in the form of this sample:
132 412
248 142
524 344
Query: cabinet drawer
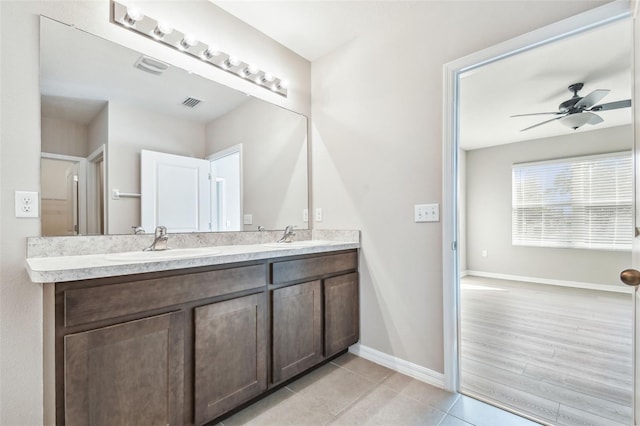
313 267
83 305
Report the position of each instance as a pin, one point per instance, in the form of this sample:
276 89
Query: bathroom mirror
103 104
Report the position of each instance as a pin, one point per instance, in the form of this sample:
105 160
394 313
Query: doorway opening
512 337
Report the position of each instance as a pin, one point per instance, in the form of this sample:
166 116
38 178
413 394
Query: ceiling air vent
150 65
191 102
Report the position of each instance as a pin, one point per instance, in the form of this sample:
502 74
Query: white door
175 192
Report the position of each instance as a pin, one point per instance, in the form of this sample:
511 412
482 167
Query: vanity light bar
134 20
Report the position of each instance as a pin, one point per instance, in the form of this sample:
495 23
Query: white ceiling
537 81
313 28
533 81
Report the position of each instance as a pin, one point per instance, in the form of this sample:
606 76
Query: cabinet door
341 313
230 355
297 329
126 374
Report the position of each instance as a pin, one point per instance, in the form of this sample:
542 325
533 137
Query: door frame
214 196
602 15
82 186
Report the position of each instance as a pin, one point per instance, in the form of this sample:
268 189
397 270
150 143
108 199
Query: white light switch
248 219
26 204
427 212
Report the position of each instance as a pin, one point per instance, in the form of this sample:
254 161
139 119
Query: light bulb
132 16
268 77
188 41
161 30
232 61
250 70
210 52
283 84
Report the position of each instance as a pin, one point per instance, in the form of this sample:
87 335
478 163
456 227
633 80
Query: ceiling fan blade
540 124
612 105
580 119
592 98
535 113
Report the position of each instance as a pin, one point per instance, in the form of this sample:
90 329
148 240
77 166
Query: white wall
21 302
274 160
489 211
376 149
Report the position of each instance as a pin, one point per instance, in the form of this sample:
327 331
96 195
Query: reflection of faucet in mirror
138 230
288 235
160 241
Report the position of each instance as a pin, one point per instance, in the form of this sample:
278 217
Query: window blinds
580 202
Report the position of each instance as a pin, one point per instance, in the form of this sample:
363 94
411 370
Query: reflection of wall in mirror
274 161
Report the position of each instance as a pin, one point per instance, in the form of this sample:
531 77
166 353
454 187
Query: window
581 202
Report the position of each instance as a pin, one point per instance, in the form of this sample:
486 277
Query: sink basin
297 244
170 254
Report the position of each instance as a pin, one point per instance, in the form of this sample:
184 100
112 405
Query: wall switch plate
248 219
318 214
427 212
27 204
305 215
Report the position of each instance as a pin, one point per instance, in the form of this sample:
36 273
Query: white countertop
81 267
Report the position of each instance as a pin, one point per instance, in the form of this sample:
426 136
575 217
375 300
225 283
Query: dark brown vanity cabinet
126 374
296 329
315 311
188 346
230 355
341 313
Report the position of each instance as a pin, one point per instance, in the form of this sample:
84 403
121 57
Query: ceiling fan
578 111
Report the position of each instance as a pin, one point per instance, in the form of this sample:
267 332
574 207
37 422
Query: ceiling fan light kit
577 111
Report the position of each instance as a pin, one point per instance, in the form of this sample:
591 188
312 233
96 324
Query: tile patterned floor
353 391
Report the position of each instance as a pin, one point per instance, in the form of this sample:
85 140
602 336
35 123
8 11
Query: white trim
595 17
216 156
401 366
547 281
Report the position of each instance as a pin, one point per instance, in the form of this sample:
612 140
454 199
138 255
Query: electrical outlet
248 219
27 204
318 214
427 212
305 215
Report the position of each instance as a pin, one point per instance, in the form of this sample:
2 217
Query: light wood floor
561 355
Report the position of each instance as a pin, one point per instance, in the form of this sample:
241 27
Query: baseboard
575 284
401 366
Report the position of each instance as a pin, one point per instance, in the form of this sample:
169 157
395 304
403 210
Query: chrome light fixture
133 19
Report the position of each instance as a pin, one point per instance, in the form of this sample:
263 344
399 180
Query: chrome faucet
288 235
161 240
138 230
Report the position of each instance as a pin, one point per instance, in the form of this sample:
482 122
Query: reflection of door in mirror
62 199
226 193
175 192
